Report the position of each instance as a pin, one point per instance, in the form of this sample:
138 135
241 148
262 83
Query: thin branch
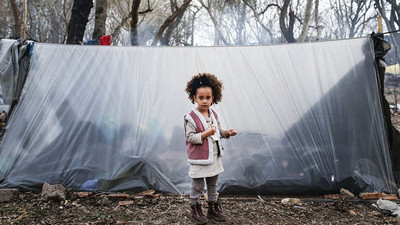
169 20
257 15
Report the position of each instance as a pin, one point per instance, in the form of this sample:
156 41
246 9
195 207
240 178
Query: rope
394 31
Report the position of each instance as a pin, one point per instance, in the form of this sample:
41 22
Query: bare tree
257 17
17 21
192 24
134 22
241 22
100 19
306 22
217 22
166 38
219 35
351 17
120 17
78 21
287 28
359 18
5 31
120 12
48 20
393 19
169 20
317 25
56 15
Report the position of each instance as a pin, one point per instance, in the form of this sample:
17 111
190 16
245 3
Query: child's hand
231 132
208 132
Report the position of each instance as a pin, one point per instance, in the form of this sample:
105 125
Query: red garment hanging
105 40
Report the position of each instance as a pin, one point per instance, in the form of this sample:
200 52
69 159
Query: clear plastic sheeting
308 116
8 69
14 64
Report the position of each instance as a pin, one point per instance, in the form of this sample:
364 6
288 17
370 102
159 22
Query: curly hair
205 80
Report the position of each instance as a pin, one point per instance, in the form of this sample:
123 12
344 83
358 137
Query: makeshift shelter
309 118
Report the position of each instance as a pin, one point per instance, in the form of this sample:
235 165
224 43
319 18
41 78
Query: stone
346 193
292 201
53 191
8 194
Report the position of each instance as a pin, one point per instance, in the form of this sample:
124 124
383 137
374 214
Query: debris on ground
378 195
140 208
388 207
292 201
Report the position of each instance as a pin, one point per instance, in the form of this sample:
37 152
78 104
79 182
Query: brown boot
197 214
215 211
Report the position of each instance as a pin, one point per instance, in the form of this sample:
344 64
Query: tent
309 119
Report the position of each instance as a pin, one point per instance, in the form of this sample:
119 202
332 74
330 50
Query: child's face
203 98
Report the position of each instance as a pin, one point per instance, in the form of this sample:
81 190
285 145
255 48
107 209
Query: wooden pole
23 35
380 26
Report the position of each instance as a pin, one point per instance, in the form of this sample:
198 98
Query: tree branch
215 22
257 15
169 20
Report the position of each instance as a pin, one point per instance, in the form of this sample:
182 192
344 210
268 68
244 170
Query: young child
203 132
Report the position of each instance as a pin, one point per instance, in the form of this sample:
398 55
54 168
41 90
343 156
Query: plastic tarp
308 116
8 69
14 63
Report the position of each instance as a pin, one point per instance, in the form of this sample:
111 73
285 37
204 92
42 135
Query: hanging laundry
105 40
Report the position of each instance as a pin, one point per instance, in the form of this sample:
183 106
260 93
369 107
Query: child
203 132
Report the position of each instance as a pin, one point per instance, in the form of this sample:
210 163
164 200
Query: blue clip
31 45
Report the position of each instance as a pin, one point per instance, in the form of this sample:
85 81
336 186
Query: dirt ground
29 208
97 208
395 116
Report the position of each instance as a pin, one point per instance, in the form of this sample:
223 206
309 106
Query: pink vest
201 154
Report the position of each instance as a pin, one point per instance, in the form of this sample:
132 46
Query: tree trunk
100 19
17 24
257 17
216 25
134 22
192 32
241 33
306 22
318 27
169 20
116 31
168 33
395 11
287 31
79 18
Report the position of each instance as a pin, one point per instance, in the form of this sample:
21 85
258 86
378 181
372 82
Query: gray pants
197 189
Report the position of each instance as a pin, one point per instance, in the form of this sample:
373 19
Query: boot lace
198 210
217 207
